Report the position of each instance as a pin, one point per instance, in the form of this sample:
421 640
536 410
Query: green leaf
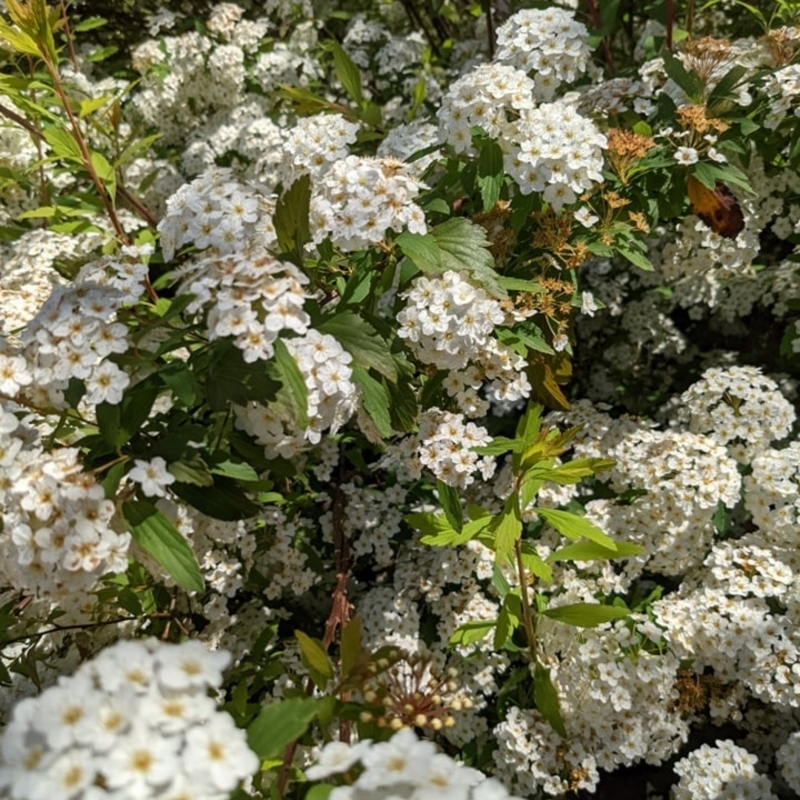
534 564
64 146
591 551
451 504
421 249
635 257
509 619
291 218
471 632
220 501
237 470
106 173
350 647
499 446
347 72
463 247
180 380
546 699
293 382
507 527
363 342
375 400
194 472
102 53
315 659
586 615
687 81
156 535
89 24
574 527
491 174
279 724
572 471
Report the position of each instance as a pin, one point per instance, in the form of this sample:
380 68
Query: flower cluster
554 150
358 199
550 45
738 407
722 772
76 330
332 398
314 145
216 211
783 89
136 722
403 767
444 445
58 537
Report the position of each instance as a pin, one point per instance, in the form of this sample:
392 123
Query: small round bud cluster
549 44
76 330
136 722
485 98
216 211
358 199
788 759
250 296
722 772
738 407
402 768
554 150
314 145
444 445
408 690
783 89
332 398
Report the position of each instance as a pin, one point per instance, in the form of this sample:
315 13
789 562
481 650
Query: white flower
588 304
336 757
686 156
560 342
192 666
585 217
152 476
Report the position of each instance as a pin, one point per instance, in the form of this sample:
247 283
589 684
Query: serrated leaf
315 659
463 247
591 551
64 146
156 535
508 527
546 699
534 564
574 527
375 400
363 342
279 724
421 249
586 615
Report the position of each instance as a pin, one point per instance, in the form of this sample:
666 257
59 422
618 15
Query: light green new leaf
279 724
106 173
155 534
451 504
64 146
586 615
471 632
315 659
575 527
508 527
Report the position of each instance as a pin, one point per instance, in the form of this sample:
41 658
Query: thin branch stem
528 619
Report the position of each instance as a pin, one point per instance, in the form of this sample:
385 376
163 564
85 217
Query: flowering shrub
400 402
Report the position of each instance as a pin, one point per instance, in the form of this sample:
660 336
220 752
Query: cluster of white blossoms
136 722
554 150
249 296
549 44
403 768
215 210
788 759
449 323
58 539
783 90
403 141
486 98
76 329
332 398
724 771
314 145
359 199
444 445
772 497
737 407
